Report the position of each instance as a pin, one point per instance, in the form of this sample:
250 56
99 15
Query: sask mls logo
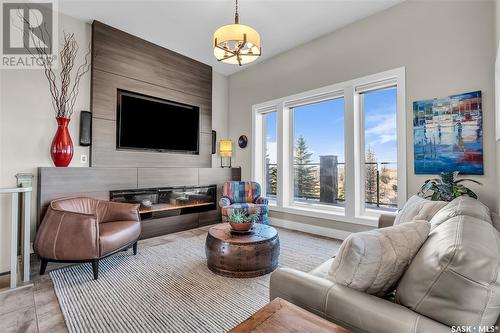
28 34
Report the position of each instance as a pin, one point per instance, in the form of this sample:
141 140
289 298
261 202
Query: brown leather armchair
86 230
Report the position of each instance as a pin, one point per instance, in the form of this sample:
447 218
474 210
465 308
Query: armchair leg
43 266
134 248
95 268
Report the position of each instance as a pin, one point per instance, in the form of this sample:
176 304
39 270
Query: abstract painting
448 134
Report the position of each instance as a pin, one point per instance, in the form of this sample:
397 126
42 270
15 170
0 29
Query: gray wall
447 47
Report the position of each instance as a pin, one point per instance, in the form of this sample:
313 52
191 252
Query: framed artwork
448 134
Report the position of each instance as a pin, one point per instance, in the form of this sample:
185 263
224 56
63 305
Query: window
335 152
318 153
380 132
271 157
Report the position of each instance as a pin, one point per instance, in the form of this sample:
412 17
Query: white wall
497 85
27 124
220 111
497 22
446 46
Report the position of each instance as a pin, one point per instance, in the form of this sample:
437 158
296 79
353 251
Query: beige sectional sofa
453 280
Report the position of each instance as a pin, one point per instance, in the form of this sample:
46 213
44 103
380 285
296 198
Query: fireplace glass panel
169 201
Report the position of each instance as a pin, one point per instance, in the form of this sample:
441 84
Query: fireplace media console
179 198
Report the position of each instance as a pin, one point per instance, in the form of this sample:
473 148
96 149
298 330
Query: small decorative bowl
241 227
146 203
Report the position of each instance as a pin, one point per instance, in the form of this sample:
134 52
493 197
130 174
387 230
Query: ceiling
187 26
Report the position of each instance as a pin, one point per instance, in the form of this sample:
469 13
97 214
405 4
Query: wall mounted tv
149 123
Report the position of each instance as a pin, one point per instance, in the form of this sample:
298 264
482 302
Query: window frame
259 126
354 210
359 91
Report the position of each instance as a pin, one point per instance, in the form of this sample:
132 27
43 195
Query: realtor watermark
474 329
29 34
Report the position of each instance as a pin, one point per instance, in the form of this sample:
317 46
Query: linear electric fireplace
169 201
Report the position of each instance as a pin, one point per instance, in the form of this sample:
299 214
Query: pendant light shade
236 43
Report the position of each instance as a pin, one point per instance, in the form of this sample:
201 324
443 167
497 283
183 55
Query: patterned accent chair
243 195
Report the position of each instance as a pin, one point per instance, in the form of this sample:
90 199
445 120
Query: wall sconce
225 150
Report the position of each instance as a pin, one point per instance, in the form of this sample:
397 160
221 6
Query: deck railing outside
380 191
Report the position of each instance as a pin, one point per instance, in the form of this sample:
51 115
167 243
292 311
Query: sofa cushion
373 261
417 208
462 206
454 276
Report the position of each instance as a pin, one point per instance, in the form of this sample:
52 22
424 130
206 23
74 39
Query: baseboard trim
312 229
21 285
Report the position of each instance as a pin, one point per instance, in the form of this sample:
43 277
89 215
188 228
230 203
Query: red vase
61 149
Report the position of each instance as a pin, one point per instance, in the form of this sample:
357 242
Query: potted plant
446 188
242 221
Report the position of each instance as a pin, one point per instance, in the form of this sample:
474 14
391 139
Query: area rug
168 288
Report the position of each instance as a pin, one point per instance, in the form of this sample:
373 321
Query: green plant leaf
468 180
243 216
447 187
471 194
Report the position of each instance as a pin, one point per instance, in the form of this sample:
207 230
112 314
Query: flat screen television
154 124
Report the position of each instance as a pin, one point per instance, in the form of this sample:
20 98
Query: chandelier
236 43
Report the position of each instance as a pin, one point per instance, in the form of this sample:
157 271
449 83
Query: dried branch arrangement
64 88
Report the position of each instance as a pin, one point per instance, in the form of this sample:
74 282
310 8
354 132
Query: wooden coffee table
281 316
242 255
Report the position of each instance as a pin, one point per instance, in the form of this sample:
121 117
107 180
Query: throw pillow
417 208
373 261
463 205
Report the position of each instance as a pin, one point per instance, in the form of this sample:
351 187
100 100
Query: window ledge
327 214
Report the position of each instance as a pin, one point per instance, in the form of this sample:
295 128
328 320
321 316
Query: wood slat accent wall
165 177
124 61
